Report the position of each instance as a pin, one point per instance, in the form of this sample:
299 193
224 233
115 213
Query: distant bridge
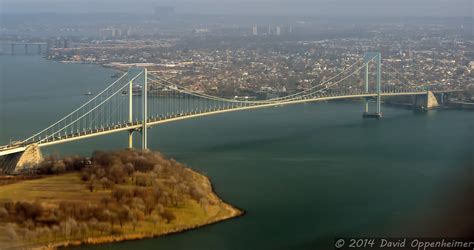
117 108
25 45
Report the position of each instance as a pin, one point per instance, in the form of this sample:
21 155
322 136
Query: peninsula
110 197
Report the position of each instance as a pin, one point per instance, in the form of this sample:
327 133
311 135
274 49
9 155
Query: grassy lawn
51 190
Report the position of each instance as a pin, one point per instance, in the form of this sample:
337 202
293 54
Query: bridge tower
377 58
145 110
138 76
130 108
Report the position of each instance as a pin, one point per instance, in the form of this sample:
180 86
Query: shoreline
408 106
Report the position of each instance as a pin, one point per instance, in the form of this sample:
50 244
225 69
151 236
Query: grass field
51 190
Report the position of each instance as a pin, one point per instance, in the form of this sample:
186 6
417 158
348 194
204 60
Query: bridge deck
152 121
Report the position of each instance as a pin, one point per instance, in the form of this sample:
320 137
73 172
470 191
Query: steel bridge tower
141 80
375 57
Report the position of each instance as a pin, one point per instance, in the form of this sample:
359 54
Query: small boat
88 93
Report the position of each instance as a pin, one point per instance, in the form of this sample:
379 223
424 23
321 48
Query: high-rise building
255 30
110 33
117 33
59 43
106 33
278 30
66 43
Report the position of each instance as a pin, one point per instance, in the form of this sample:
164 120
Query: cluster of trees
32 222
142 185
52 165
167 181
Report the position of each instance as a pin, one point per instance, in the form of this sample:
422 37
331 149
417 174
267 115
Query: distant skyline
336 8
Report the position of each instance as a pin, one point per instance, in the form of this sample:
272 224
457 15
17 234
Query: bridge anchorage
141 99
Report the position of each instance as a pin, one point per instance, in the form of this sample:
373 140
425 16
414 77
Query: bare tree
10 232
103 227
55 230
117 174
27 211
124 215
83 229
120 194
129 169
3 213
58 167
155 217
69 227
92 184
168 216
142 179
106 183
137 216
204 203
92 223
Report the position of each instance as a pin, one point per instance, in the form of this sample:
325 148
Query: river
304 174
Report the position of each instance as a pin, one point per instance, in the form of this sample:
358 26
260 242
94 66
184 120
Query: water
303 173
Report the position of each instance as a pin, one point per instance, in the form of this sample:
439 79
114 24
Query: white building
255 30
110 33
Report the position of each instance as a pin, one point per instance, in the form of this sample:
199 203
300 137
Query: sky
336 8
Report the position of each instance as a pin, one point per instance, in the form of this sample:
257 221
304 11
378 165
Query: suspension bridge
141 99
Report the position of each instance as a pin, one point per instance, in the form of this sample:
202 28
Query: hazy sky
264 7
